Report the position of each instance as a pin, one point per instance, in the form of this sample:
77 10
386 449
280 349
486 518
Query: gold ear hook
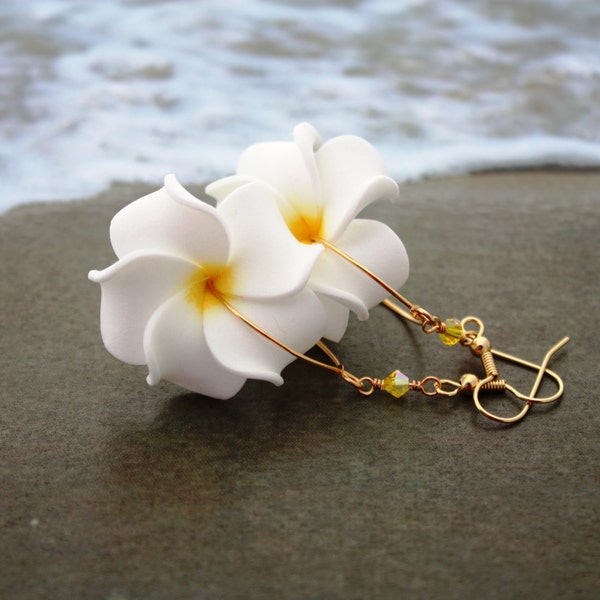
491 382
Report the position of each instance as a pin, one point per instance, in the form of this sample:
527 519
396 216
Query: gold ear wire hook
491 382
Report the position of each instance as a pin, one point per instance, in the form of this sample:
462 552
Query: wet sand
113 489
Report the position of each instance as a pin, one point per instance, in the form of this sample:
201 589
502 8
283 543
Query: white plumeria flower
176 256
320 189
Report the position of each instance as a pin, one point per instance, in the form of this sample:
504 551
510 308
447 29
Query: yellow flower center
206 284
304 228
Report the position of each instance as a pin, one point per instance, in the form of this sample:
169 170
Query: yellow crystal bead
396 384
453 333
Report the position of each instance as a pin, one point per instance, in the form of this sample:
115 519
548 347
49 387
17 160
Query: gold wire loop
429 323
431 327
454 386
434 386
488 384
364 385
433 389
351 379
369 385
470 335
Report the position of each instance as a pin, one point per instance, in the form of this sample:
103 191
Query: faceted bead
453 333
396 384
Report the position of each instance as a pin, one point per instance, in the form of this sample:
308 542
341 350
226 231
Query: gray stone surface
112 489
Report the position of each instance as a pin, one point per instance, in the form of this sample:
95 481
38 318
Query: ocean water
129 90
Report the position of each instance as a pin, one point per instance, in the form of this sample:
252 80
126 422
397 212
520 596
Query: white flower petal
372 244
325 282
132 289
172 221
265 260
282 165
337 318
306 136
298 321
352 176
308 140
221 188
338 215
176 350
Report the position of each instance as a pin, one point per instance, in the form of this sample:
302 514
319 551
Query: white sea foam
94 92
459 159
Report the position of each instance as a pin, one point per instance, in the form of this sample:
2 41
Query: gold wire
400 311
336 367
542 371
365 385
429 323
388 288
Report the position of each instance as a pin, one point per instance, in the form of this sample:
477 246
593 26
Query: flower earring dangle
209 297
178 259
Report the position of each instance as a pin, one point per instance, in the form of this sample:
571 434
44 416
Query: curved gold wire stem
428 322
364 385
400 311
332 357
386 286
336 367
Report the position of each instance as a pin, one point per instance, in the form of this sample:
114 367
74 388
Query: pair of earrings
208 296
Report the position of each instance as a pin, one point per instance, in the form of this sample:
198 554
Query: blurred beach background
113 489
129 90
